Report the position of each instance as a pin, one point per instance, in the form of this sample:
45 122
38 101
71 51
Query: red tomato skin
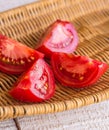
103 67
16 66
24 89
24 95
64 80
47 50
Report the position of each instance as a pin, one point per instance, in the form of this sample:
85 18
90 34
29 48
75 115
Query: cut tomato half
61 36
36 84
76 71
15 57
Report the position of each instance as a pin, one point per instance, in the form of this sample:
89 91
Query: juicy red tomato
16 57
76 71
61 36
35 85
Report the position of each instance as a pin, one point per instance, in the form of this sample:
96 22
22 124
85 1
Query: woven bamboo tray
26 24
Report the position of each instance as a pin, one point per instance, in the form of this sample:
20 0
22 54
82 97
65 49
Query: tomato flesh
76 71
36 84
15 57
61 36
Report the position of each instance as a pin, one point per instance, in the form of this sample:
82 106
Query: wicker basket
27 23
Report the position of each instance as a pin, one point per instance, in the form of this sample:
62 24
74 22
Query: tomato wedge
76 71
36 84
15 57
61 36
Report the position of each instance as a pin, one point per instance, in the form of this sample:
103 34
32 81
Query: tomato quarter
76 71
61 36
15 57
35 85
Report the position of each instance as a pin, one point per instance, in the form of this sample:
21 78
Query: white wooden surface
93 117
9 4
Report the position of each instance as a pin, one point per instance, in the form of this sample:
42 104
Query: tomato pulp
76 71
15 57
61 36
35 85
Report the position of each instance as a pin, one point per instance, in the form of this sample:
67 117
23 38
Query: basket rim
92 98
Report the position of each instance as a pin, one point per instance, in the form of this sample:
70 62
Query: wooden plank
8 125
92 117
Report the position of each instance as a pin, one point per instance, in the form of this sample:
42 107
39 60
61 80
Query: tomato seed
60 68
22 62
81 78
3 59
32 58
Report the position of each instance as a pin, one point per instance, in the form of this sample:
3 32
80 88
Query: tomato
36 84
76 71
15 57
61 36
